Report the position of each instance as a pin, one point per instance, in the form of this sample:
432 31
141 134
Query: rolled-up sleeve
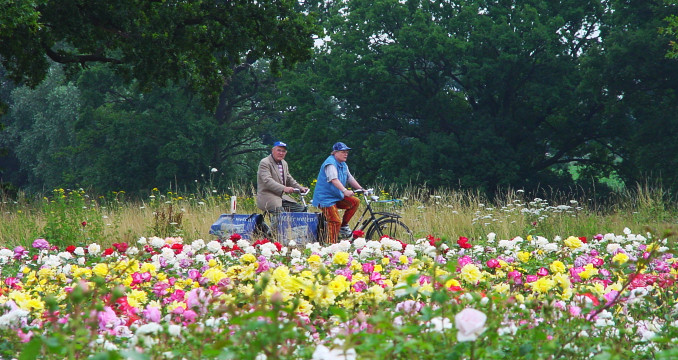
331 173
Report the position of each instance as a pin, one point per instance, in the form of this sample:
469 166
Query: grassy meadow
72 217
523 276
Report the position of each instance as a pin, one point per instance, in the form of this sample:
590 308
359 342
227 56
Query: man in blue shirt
331 193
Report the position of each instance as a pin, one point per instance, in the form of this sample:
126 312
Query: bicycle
380 223
376 225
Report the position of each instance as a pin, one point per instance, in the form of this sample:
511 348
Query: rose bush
613 295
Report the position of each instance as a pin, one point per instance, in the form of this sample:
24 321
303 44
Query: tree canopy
154 42
492 93
470 93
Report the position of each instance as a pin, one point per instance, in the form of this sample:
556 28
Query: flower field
602 296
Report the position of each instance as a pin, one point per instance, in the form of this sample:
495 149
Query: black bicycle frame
373 219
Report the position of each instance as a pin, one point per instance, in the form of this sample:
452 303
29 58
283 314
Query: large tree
99 132
39 132
225 51
198 42
642 87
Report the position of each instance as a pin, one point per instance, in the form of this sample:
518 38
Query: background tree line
468 94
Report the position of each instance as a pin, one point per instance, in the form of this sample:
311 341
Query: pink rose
470 323
152 314
515 277
493 263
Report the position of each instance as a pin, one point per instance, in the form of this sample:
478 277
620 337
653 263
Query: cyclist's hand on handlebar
348 193
289 189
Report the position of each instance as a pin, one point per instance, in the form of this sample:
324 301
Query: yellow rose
247 259
100 269
620 258
452 283
543 285
314 259
137 298
148 267
557 267
338 285
82 273
589 270
573 242
501 288
471 274
214 275
524 256
304 307
46 273
340 258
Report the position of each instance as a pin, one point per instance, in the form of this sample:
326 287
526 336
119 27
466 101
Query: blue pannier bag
300 227
245 225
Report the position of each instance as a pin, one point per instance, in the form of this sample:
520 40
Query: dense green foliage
468 94
201 42
489 93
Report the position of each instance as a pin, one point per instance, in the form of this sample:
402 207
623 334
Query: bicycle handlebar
298 191
365 191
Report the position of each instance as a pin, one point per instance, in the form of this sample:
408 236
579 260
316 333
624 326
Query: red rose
121 247
463 242
108 251
84 223
583 239
358 234
432 240
178 248
70 248
261 242
235 237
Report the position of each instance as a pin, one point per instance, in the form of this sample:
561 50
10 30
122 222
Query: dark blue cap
280 143
340 146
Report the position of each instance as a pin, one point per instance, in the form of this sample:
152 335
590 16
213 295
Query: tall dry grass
444 213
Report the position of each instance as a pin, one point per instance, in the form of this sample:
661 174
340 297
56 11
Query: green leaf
133 355
525 349
32 349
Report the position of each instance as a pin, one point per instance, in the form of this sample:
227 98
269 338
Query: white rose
213 246
94 249
470 323
441 324
198 244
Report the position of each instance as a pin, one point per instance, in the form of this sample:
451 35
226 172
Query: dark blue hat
340 146
280 143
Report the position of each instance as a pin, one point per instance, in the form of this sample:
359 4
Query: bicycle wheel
394 228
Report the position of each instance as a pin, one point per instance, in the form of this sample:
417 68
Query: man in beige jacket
274 182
